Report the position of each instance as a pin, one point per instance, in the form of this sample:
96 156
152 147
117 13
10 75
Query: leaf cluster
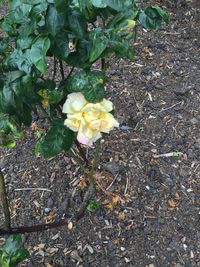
76 33
12 252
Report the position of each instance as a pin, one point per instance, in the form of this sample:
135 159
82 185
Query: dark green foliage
35 30
12 252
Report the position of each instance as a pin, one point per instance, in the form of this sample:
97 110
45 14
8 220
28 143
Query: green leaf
99 3
19 12
93 205
24 43
59 138
153 17
88 10
27 28
9 124
94 91
76 23
77 82
20 60
38 53
62 5
6 141
80 58
60 46
13 251
54 21
99 44
90 83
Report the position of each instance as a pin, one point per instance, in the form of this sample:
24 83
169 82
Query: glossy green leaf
60 46
88 10
13 251
38 53
80 58
24 43
6 141
54 21
99 3
59 138
153 17
90 83
76 23
62 5
19 60
99 44
18 11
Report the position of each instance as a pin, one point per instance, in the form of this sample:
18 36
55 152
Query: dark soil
156 223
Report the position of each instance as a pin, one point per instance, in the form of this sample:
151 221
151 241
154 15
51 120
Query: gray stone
112 167
194 121
49 202
183 173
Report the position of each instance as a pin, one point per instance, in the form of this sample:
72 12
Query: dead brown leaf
82 183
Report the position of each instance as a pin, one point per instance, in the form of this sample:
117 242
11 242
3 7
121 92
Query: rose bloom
88 119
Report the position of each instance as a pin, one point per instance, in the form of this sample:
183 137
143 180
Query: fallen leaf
82 183
172 203
51 251
48 265
110 204
122 216
49 217
39 246
168 118
116 241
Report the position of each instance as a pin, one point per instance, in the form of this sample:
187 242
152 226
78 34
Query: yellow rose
88 119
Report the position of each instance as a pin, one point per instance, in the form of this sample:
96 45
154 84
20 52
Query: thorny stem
4 200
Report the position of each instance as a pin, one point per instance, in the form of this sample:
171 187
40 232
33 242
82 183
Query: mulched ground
149 215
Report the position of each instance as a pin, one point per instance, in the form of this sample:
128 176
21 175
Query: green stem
81 152
70 73
4 200
96 156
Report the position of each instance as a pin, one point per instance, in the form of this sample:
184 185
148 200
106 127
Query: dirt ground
150 167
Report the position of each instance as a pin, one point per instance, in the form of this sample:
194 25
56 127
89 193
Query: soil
149 172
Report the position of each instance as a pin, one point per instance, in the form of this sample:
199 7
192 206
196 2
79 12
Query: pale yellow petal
72 124
107 105
74 103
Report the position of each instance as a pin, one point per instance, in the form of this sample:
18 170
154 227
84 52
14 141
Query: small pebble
70 226
194 121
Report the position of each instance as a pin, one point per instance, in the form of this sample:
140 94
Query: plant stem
70 73
4 200
41 227
62 70
81 152
96 156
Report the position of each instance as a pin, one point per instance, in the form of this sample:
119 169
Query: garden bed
149 172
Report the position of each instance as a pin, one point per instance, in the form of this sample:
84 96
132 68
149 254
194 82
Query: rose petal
74 103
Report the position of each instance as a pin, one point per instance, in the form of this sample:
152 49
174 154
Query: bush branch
5 204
